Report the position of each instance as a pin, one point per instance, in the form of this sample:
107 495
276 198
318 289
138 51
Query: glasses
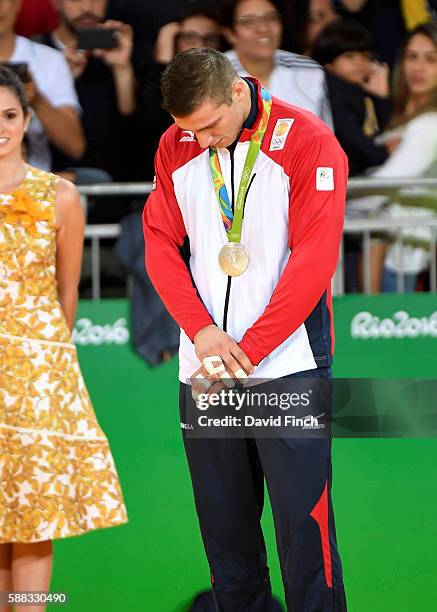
253 21
194 38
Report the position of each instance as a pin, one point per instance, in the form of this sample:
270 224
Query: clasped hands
223 362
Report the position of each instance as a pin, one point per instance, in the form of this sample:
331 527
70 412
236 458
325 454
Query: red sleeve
164 234
316 222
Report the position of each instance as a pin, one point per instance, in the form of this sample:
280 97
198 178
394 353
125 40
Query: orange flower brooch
24 210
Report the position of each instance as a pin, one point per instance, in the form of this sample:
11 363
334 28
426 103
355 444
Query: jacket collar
247 134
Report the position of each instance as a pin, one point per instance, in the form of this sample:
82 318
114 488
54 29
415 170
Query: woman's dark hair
298 20
340 36
227 11
196 8
400 88
11 81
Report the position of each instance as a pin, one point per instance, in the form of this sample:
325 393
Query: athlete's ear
238 90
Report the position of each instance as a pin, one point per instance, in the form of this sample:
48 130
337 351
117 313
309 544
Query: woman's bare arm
70 222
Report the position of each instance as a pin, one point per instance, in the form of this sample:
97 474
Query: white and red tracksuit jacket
280 310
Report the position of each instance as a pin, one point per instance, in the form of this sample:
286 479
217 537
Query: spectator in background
359 94
413 139
414 12
105 84
197 26
308 19
36 17
49 90
254 30
146 17
389 20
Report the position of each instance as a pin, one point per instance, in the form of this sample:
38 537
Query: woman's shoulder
424 121
66 190
68 202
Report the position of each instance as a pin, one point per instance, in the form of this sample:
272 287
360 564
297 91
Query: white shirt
54 80
292 228
296 79
416 156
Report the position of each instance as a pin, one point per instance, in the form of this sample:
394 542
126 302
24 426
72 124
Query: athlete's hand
211 341
202 382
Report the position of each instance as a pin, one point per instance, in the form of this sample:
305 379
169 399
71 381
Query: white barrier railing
365 226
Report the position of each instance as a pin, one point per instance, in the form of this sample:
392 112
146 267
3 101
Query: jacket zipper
228 287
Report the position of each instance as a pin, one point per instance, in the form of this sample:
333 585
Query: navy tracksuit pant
228 482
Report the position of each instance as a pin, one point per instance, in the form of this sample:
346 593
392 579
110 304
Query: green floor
385 496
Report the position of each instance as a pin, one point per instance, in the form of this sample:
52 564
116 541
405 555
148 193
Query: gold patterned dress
57 475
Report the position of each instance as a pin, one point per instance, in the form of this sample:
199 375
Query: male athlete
253 190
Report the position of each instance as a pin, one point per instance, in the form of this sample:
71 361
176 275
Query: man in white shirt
254 30
50 92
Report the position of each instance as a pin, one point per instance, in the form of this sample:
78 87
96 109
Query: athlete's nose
205 140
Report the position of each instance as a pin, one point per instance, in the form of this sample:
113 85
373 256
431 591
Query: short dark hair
196 8
194 76
11 81
340 36
227 11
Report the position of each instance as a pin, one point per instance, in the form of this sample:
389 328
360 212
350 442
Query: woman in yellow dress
57 476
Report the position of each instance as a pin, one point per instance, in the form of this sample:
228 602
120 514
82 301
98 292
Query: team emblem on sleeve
188 136
280 134
324 178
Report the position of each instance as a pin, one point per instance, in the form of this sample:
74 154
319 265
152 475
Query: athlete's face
218 125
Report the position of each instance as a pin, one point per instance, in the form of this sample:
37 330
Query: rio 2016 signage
401 324
86 332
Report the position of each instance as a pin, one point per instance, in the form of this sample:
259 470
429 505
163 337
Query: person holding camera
105 84
49 90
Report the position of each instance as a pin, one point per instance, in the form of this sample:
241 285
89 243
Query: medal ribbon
233 220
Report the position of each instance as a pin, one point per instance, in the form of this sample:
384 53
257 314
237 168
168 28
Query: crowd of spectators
366 68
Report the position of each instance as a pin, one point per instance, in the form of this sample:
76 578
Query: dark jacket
153 119
153 329
349 112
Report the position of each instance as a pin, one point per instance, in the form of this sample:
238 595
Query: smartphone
21 69
97 38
